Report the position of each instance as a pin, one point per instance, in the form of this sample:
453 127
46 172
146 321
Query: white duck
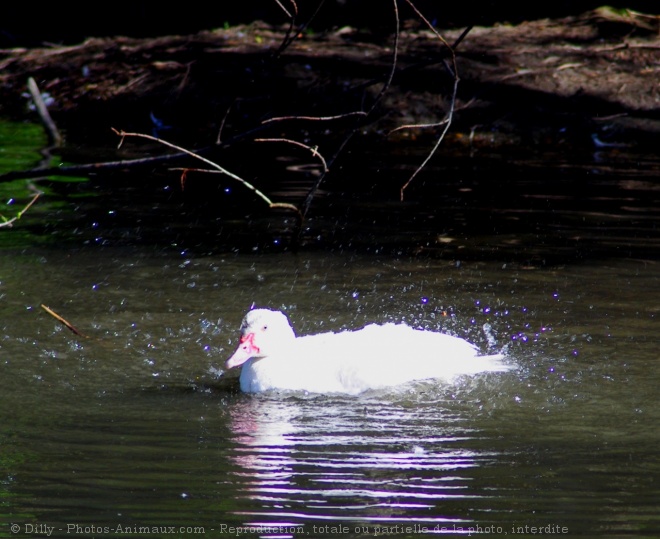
375 356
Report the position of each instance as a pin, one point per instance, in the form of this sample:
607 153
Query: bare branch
452 107
219 169
10 222
395 57
288 38
63 321
314 149
291 36
312 192
295 7
315 118
438 142
222 123
418 126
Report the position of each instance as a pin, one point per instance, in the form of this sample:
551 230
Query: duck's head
263 333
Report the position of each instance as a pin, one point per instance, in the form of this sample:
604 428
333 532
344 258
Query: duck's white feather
376 356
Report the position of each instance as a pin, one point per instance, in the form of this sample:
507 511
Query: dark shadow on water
529 209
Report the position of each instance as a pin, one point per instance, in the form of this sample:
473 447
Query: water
135 424
133 427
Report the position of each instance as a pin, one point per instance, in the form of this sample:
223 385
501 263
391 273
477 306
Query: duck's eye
264 328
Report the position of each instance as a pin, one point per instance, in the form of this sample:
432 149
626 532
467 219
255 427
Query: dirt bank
559 81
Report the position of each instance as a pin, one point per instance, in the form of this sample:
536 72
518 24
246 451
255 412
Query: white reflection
317 458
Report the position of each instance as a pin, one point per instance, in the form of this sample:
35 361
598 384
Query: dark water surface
133 428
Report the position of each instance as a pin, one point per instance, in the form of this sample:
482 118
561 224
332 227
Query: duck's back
374 357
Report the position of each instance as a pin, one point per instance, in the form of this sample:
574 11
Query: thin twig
63 321
314 150
9 222
452 107
218 141
312 192
291 36
287 39
418 126
437 143
218 168
395 57
315 118
285 10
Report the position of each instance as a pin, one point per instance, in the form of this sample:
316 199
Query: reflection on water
328 466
